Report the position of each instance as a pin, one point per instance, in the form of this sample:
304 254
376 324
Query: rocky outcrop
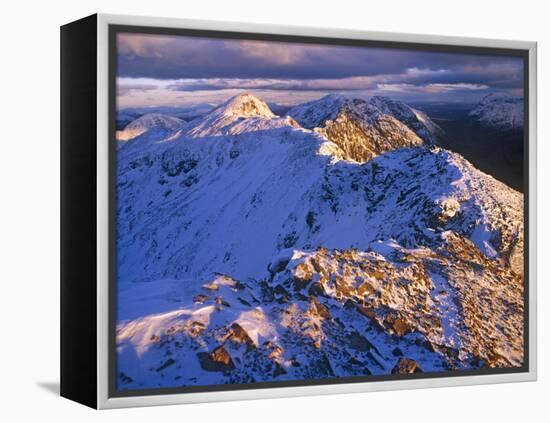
218 360
362 138
406 366
238 334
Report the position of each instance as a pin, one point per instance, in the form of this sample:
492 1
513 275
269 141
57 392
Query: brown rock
321 309
217 361
210 286
221 301
365 289
201 298
196 328
378 274
276 353
366 311
406 366
401 326
302 275
238 334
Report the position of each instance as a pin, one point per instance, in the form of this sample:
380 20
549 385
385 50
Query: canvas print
298 212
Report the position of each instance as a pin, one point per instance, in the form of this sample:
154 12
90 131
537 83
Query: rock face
238 334
366 129
406 366
367 134
261 251
217 361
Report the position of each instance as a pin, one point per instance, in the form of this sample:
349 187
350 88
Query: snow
499 111
230 118
217 217
417 120
397 115
314 113
147 122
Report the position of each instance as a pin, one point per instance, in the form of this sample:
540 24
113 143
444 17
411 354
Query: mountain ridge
254 249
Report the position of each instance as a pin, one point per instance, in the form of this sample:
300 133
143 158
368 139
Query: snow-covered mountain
147 122
499 111
364 129
315 113
242 113
187 113
415 119
252 249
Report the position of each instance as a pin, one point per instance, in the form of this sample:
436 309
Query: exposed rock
366 311
405 366
221 302
358 342
238 334
279 370
276 353
280 290
278 265
217 361
210 286
365 289
195 328
302 275
321 309
201 298
317 290
401 326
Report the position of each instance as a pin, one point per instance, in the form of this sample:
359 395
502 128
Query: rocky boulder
219 360
406 366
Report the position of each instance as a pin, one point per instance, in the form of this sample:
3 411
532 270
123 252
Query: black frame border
114 29
78 211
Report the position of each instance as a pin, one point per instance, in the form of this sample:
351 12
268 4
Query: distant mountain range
338 240
479 132
127 115
500 112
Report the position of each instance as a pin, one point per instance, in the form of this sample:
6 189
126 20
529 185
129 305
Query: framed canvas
253 211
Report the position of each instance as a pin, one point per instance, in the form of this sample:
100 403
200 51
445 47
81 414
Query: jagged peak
245 105
314 113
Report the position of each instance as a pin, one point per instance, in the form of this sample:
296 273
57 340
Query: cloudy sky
160 70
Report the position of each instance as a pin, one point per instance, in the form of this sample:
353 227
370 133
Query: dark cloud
160 69
176 57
